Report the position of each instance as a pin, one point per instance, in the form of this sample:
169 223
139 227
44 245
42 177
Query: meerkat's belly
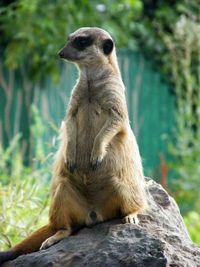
90 120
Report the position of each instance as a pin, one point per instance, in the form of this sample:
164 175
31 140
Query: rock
160 240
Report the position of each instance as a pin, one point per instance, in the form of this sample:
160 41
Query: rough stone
160 240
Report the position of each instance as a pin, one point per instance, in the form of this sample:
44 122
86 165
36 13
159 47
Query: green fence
150 102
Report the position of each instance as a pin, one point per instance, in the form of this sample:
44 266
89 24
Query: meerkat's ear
108 46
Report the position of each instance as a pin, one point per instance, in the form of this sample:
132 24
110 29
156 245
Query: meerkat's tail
30 244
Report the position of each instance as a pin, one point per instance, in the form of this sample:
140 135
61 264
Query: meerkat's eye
80 43
108 46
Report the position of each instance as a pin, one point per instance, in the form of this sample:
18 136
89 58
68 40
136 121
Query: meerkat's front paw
131 218
95 162
71 165
97 156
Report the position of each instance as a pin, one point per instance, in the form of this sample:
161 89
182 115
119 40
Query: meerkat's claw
71 166
55 238
94 164
47 243
131 218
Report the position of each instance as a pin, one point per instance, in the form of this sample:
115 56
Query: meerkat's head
88 46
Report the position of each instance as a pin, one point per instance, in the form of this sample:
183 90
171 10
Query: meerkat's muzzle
61 53
69 53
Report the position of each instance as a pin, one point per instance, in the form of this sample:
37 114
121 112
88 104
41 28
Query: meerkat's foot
55 238
131 218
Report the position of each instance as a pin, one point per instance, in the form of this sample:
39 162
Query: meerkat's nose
61 53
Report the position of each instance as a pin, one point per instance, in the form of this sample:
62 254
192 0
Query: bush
39 34
23 190
192 221
23 209
170 32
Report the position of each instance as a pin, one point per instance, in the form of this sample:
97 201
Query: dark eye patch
80 43
108 46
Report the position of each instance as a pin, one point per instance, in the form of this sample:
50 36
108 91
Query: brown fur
98 172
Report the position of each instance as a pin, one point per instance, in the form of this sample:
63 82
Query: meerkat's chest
90 115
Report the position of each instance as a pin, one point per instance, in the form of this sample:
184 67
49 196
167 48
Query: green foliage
183 46
192 221
23 196
41 29
171 33
23 190
23 208
157 23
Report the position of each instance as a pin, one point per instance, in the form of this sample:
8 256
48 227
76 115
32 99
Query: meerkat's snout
61 54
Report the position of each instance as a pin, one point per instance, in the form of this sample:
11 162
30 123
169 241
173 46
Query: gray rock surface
160 240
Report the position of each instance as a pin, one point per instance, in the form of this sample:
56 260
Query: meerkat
98 173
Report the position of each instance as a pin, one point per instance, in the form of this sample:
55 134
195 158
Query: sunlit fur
106 175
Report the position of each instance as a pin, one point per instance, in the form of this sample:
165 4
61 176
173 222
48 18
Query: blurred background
158 46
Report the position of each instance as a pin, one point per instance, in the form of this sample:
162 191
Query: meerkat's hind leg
131 218
56 238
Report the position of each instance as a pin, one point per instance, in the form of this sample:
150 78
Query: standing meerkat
98 172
